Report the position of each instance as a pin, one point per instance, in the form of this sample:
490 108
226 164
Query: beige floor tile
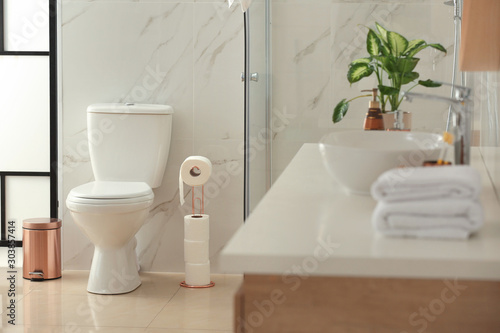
12 288
82 329
72 329
180 330
16 329
163 285
40 308
64 305
158 285
208 309
71 283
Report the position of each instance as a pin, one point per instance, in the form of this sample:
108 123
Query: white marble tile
175 59
160 239
218 63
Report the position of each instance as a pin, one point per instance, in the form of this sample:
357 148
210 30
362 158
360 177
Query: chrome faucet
461 106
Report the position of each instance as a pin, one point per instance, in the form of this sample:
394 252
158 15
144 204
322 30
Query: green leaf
358 71
438 47
382 37
388 63
340 110
361 61
412 45
372 43
383 32
406 65
412 53
397 43
404 78
385 90
409 77
429 83
421 47
385 50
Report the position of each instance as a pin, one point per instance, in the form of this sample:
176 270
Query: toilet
129 146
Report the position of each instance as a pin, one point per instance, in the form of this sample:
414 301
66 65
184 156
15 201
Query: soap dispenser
373 119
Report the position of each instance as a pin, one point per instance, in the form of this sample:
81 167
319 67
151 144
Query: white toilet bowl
129 146
110 214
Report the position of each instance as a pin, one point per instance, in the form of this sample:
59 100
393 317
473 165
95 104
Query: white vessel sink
356 158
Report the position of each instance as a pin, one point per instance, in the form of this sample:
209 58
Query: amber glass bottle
373 119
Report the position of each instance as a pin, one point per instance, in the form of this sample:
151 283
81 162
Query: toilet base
114 271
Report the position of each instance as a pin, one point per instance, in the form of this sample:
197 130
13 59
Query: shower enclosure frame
250 79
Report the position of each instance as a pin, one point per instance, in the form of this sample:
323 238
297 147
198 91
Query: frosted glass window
24 111
26 25
25 198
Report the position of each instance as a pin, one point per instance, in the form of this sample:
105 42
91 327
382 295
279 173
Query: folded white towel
427 183
450 218
244 4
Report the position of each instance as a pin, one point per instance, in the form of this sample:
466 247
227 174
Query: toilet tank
129 142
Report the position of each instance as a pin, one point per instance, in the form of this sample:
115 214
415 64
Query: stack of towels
428 202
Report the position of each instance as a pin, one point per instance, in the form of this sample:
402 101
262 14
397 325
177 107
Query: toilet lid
112 190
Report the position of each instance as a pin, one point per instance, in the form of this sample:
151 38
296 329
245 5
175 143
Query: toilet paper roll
195 252
194 171
198 274
196 228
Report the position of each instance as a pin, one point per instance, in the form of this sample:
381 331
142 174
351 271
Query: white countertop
305 209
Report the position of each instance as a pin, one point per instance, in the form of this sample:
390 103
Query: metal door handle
253 77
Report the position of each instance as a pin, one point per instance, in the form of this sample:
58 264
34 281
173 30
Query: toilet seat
110 192
102 196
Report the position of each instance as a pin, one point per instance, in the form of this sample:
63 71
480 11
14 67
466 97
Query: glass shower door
257 121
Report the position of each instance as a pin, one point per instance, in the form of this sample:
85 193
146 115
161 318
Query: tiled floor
159 305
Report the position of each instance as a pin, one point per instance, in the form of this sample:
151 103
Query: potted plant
391 57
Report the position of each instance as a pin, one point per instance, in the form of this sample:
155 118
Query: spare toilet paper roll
194 171
198 274
195 252
196 228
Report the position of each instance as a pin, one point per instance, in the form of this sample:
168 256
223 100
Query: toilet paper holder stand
195 199
201 202
185 285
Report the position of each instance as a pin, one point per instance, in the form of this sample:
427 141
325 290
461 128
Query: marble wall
188 54
313 43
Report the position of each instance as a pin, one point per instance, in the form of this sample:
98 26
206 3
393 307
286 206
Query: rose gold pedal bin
42 249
